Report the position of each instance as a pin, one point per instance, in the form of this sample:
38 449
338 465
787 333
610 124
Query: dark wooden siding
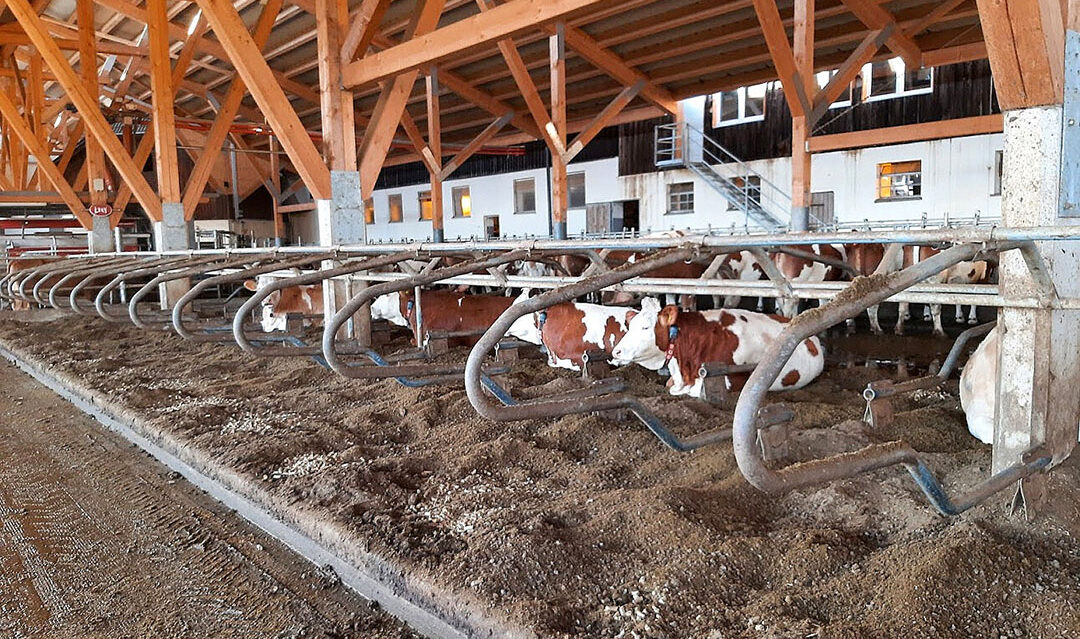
605 145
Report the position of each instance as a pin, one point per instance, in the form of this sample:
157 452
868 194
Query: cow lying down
683 341
570 329
305 300
442 310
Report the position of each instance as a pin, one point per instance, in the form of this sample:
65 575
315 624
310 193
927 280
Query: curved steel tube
253 302
165 322
99 302
329 345
17 284
599 396
52 299
106 271
12 281
277 264
850 303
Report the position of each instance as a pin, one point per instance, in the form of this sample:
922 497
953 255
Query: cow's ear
630 315
669 316
251 285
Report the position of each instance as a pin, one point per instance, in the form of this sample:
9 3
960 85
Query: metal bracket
595 364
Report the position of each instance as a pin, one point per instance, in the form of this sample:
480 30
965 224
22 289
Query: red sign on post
100 210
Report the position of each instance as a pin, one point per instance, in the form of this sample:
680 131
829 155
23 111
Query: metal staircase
761 201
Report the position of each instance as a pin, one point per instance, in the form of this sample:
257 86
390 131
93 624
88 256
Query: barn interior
527 318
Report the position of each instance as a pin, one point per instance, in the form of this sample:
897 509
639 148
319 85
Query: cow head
640 344
388 307
525 328
269 321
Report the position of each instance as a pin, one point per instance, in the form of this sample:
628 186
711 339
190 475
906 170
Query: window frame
421 197
457 203
828 76
900 89
369 210
400 207
680 210
584 198
742 117
532 181
892 187
997 172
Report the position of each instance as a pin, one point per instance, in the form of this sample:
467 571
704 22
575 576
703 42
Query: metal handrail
863 293
73 296
51 299
126 275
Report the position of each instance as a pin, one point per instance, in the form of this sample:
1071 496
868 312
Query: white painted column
341 222
100 238
1039 360
173 233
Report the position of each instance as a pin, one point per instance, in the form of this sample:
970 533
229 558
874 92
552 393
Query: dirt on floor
587 527
97 540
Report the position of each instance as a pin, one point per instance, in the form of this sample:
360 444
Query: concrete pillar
100 238
173 233
341 221
1039 360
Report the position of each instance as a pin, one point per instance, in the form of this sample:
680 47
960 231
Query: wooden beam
328 29
379 132
803 49
69 148
475 145
783 58
247 58
845 75
230 105
487 102
955 55
408 125
435 151
1025 41
275 180
95 158
87 105
499 23
870 13
977 125
164 122
21 129
587 47
67 44
36 111
365 24
602 119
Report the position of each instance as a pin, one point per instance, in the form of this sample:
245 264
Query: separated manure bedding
588 527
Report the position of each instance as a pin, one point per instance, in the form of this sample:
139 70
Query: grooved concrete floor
97 539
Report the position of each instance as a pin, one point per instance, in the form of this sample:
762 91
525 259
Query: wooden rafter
245 55
875 17
602 119
475 145
164 121
782 56
364 27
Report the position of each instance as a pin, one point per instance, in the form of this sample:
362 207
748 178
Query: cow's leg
903 313
927 313
875 326
850 326
688 302
960 313
973 316
935 313
790 308
760 304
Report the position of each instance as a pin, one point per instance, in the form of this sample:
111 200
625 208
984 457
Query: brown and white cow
305 300
570 329
899 258
442 310
744 267
683 341
803 270
17 265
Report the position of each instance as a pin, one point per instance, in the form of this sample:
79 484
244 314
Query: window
424 198
395 207
891 79
745 104
899 181
575 186
823 78
525 196
369 210
462 201
681 198
998 157
491 227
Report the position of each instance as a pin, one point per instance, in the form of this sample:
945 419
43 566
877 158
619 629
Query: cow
900 258
804 270
306 300
442 310
744 267
570 329
683 341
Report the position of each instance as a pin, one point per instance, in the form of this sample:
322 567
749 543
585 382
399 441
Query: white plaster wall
957 180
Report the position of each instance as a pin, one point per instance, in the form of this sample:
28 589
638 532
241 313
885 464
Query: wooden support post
559 194
328 36
280 233
164 123
783 58
438 233
800 127
36 111
95 158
